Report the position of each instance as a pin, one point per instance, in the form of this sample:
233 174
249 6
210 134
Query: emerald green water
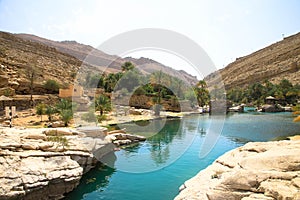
173 153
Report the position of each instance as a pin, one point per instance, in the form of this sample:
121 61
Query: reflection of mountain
95 179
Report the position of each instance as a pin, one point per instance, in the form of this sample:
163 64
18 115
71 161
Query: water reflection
95 180
166 146
159 143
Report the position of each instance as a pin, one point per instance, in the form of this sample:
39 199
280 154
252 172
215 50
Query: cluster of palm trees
158 85
64 109
132 79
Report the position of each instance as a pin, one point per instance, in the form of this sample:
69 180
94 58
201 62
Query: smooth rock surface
260 170
121 138
34 167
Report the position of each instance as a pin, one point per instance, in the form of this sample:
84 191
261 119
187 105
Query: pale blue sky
224 29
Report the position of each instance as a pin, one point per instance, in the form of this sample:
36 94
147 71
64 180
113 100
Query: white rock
29 170
261 170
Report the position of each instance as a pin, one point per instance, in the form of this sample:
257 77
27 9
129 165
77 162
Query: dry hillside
18 56
59 61
101 60
274 63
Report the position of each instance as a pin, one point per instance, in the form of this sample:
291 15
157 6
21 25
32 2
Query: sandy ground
132 118
28 118
296 137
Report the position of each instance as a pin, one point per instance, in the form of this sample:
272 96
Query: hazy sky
224 29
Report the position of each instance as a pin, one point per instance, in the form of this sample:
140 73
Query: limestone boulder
57 124
58 132
122 142
120 138
260 170
35 136
31 167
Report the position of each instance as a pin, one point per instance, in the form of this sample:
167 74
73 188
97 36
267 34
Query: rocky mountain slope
101 60
258 170
18 57
79 51
275 62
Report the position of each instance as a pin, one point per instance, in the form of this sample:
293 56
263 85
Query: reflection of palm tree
160 155
202 131
160 152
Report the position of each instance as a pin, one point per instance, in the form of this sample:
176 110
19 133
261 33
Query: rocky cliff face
275 62
260 170
18 57
34 167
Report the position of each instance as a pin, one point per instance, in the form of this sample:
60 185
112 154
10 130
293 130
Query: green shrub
51 86
62 141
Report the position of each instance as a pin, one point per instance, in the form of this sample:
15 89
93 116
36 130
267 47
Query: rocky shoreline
257 170
46 163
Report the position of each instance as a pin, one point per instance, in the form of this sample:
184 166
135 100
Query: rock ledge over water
257 170
45 163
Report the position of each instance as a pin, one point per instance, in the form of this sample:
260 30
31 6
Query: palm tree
50 111
202 93
102 103
64 108
64 104
40 110
66 116
127 66
110 82
202 84
155 79
31 74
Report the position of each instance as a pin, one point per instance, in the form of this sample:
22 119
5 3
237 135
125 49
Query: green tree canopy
102 103
40 110
127 66
65 110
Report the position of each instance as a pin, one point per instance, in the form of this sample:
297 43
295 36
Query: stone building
72 91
